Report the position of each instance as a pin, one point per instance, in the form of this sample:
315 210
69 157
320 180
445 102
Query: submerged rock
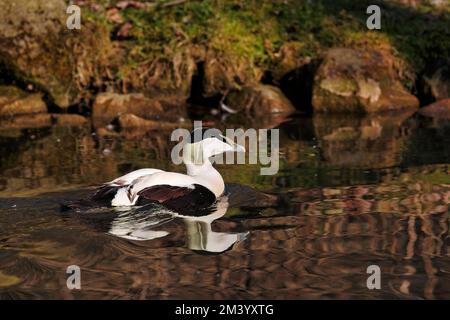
132 121
42 120
439 110
14 101
259 100
69 120
39 120
107 106
351 81
37 47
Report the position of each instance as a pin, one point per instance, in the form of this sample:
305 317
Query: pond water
358 192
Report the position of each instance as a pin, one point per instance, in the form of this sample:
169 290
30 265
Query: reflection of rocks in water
49 158
318 248
268 121
54 158
429 143
300 128
370 141
220 119
411 197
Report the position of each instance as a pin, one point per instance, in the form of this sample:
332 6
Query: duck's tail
102 197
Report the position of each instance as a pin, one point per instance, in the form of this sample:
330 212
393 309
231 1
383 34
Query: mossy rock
37 47
356 81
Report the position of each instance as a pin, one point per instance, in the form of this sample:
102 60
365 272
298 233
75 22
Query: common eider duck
198 189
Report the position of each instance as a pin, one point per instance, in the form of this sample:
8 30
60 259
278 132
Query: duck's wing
191 200
108 190
128 178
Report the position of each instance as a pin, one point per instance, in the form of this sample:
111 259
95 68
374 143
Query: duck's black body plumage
189 201
197 201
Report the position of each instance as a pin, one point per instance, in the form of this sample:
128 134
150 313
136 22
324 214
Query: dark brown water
361 191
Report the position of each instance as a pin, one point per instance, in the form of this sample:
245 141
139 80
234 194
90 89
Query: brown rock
69 120
104 132
351 81
132 121
37 47
107 106
14 101
259 100
439 110
43 120
39 120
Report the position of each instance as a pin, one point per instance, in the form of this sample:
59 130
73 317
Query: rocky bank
138 62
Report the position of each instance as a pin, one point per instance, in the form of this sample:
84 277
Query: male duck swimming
198 189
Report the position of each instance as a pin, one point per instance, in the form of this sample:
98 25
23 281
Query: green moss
255 30
340 86
436 177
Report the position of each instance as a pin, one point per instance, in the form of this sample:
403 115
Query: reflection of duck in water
146 223
200 235
191 192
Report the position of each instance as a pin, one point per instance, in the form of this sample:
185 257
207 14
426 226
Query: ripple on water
383 200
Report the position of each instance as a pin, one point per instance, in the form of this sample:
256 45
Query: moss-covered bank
173 50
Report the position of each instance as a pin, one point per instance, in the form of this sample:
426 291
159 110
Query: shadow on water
354 191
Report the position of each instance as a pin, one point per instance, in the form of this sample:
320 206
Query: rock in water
128 121
108 106
259 100
439 110
351 81
14 101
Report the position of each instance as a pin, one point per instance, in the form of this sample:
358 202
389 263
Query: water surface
360 191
